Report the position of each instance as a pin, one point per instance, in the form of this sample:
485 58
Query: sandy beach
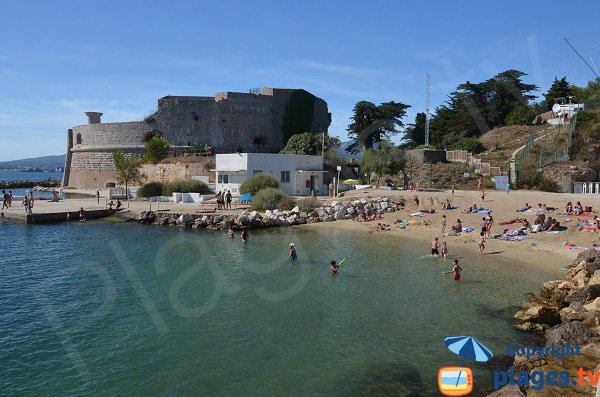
542 250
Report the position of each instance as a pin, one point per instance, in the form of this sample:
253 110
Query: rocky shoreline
565 312
337 210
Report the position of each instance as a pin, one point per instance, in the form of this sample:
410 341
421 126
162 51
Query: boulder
593 306
334 203
573 332
329 210
568 314
340 215
350 211
575 270
184 219
255 215
384 205
539 314
531 327
164 221
296 210
302 220
585 294
589 256
595 279
581 279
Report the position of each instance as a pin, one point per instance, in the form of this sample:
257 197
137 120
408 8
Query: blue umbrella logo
468 348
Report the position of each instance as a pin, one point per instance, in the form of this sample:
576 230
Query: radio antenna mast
427 117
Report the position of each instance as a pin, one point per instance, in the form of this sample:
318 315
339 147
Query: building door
314 183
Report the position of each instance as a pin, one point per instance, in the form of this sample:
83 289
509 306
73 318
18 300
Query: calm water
119 309
29 176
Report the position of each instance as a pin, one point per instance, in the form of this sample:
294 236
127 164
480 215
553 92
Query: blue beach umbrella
246 197
468 348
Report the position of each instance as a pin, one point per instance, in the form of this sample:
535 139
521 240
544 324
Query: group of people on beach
7 199
224 200
576 209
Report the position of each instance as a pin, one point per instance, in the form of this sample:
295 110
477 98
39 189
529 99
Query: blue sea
30 176
107 309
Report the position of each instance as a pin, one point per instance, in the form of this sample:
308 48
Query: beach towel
484 211
453 207
418 214
580 214
468 229
553 231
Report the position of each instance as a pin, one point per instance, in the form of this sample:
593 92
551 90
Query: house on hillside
298 175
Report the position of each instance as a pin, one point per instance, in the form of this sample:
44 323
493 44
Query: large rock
185 219
595 279
539 314
384 205
255 215
585 294
593 306
350 211
296 210
573 332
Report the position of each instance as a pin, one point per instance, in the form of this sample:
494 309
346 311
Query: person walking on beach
488 225
435 245
119 204
482 195
507 188
331 187
481 242
81 214
98 196
443 224
4 199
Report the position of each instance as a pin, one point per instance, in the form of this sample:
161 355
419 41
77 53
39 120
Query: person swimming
293 256
334 267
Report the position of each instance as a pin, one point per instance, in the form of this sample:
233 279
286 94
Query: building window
79 139
223 178
256 172
285 177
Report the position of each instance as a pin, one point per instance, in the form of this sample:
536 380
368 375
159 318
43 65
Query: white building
297 174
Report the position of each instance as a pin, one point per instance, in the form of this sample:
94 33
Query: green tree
415 133
257 183
371 123
310 143
387 159
521 115
129 169
157 149
560 88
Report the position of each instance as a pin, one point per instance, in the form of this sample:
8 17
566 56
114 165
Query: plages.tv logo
458 381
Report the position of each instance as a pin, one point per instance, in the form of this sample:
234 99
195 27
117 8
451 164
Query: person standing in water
292 256
334 267
435 245
456 270
244 235
230 232
443 224
444 250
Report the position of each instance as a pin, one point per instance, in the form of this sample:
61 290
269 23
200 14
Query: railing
480 167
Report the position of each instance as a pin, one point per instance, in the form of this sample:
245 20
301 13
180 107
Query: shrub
156 149
521 115
186 186
257 183
308 204
267 199
548 185
472 145
151 189
286 203
151 118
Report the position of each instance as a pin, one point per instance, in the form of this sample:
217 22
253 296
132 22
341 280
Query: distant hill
344 155
42 163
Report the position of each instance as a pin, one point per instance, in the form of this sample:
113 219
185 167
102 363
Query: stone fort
259 121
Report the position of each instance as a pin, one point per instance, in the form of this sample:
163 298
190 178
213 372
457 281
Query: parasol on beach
468 348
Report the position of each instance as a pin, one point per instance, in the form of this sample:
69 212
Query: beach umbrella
351 182
246 197
468 348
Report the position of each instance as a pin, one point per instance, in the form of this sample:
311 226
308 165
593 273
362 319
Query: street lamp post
337 182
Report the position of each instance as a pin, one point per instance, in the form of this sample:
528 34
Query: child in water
293 256
230 232
334 267
444 251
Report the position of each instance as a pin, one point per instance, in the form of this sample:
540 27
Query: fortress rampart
229 121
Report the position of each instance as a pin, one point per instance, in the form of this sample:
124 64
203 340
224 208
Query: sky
60 59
